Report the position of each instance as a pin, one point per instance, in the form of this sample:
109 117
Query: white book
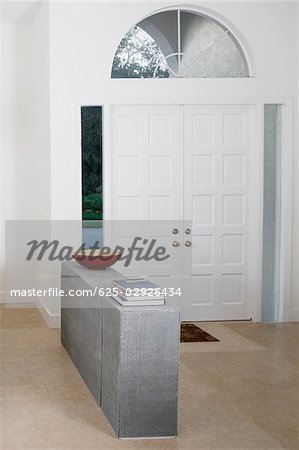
139 297
138 303
135 283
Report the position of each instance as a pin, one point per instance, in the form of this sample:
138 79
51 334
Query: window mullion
179 42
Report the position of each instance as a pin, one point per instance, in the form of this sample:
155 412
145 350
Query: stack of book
137 292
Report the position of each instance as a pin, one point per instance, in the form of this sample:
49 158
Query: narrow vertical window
272 212
92 192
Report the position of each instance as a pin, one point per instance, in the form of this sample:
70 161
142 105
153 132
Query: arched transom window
179 44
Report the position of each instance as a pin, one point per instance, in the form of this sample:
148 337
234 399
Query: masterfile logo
140 250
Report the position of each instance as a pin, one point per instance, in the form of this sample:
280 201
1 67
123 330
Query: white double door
193 167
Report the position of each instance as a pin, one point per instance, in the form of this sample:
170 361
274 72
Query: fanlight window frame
179 54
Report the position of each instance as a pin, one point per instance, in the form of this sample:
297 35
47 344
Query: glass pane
92 205
272 212
163 28
138 56
149 49
208 49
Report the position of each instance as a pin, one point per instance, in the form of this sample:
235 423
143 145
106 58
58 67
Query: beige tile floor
240 393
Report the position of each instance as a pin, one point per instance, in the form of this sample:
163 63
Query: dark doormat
192 333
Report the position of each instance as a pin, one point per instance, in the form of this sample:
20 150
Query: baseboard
19 305
52 320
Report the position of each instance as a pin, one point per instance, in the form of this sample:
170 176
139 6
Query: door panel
217 147
146 177
190 168
146 163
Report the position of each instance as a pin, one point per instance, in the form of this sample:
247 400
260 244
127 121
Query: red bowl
96 262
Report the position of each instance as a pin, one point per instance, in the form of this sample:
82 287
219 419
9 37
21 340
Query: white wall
18 121
25 112
42 138
17 126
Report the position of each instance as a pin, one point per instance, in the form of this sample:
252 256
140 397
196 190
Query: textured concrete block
128 357
81 335
140 370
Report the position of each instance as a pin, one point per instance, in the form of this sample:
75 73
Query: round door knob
188 243
188 231
175 231
175 244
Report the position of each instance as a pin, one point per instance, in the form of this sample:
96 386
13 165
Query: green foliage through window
138 56
91 129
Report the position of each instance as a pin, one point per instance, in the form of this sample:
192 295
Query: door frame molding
285 282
